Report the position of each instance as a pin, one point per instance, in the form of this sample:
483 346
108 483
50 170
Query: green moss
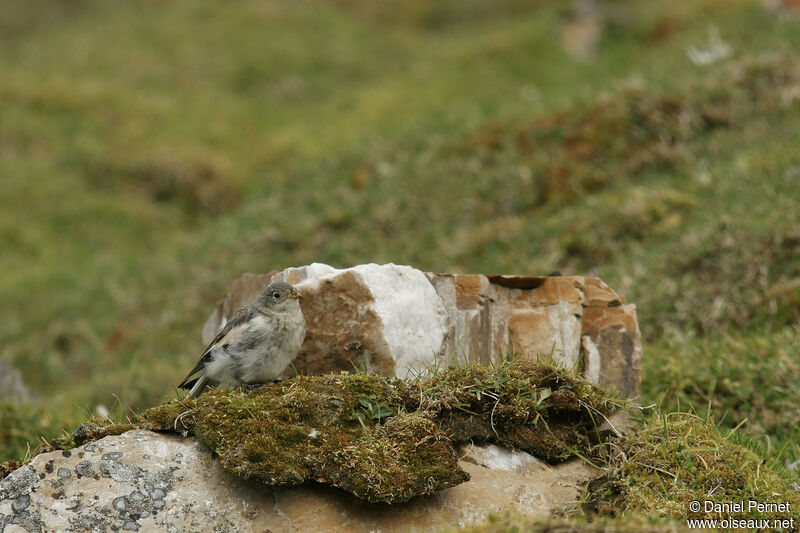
407 457
6 467
534 407
385 439
307 428
92 430
171 415
677 458
512 522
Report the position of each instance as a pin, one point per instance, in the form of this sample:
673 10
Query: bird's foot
250 387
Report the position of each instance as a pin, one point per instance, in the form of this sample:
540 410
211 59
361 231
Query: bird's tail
198 388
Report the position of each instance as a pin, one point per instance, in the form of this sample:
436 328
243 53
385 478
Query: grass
675 459
151 154
653 476
750 379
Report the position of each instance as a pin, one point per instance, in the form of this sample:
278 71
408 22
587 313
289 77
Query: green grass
149 154
677 458
751 379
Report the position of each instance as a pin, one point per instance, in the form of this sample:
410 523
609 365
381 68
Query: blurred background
152 152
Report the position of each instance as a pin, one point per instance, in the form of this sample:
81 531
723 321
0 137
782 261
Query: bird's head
278 296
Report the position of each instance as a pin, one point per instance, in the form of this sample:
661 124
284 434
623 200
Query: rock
392 319
496 458
88 431
144 481
612 346
388 317
12 388
387 440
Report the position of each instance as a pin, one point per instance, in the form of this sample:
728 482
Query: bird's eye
276 295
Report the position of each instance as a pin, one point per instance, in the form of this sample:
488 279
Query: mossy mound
327 429
534 407
679 458
384 439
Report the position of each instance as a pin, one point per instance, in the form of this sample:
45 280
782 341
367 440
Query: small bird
256 344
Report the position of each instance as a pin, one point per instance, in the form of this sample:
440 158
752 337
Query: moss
97 429
171 416
6 467
407 457
89 431
534 407
513 522
384 439
678 458
307 428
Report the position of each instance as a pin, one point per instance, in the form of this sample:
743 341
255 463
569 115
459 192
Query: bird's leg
248 387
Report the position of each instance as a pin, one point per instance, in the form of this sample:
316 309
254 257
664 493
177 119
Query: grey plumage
255 346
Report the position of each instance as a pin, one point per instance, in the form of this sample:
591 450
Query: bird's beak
295 296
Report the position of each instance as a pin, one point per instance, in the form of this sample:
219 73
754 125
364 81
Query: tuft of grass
653 474
22 426
676 458
751 381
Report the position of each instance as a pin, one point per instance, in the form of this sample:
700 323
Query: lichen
93 429
385 439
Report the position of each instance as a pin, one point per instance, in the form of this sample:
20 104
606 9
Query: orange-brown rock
393 319
612 347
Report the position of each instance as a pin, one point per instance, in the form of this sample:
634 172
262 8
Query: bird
255 346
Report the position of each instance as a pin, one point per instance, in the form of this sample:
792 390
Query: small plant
539 399
370 409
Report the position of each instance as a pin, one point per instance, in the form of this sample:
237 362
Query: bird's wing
232 330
